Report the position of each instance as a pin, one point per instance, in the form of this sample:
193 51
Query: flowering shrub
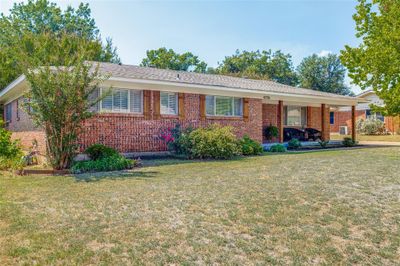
177 139
371 126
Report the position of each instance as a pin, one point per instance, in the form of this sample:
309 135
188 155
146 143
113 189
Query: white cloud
324 53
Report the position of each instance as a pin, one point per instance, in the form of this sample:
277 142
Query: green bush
111 163
277 148
349 142
100 151
213 142
177 139
323 143
371 126
271 132
294 144
250 146
10 151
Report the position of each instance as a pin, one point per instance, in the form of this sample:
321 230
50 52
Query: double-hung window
224 106
122 101
169 103
8 109
295 116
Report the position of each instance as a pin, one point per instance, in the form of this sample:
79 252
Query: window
8 108
332 118
169 103
370 114
224 106
122 101
295 116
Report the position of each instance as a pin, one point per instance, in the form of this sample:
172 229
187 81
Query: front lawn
389 138
329 207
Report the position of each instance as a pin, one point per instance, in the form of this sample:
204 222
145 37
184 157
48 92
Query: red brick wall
343 118
270 116
133 133
23 128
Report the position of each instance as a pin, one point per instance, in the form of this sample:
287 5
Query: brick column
280 120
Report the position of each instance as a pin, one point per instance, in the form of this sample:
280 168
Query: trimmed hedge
112 163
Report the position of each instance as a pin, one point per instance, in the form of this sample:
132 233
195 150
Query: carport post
353 123
280 122
323 126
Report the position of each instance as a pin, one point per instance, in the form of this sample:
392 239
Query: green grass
389 138
330 207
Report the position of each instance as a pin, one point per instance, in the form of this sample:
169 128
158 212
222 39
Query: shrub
277 148
348 142
99 151
371 126
271 132
294 144
323 143
213 142
250 146
111 163
177 139
10 151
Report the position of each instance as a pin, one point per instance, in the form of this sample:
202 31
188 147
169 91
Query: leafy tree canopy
168 59
375 63
275 66
42 16
323 73
62 94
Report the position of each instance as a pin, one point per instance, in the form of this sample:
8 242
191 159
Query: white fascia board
14 90
181 87
313 99
205 89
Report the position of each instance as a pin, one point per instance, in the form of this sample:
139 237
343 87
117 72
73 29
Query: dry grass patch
331 207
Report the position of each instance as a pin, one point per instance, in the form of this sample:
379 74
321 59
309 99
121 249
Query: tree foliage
35 18
60 95
323 73
375 63
168 59
269 65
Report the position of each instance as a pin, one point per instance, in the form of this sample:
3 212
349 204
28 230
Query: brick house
340 117
145 100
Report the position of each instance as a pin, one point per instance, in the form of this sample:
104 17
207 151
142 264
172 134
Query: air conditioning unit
343 130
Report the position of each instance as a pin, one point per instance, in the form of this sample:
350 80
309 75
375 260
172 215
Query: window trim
176 104
233 106
301 108
127 111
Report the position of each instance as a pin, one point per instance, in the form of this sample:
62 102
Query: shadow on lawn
131 174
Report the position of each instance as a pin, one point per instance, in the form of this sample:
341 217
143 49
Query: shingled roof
166 75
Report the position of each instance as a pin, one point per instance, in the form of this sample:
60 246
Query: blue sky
214 29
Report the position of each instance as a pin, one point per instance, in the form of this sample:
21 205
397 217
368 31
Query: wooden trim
157 104
323 126
202 107
280 122
181 105
353 123
246 109
146 104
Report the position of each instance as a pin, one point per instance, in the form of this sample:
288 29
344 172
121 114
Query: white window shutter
107 101
136 101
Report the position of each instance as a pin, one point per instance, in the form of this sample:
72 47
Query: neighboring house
145 100
340 118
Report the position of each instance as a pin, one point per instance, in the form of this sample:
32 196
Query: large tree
41 16
269 65
323 73
168 59
375 63
61 94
